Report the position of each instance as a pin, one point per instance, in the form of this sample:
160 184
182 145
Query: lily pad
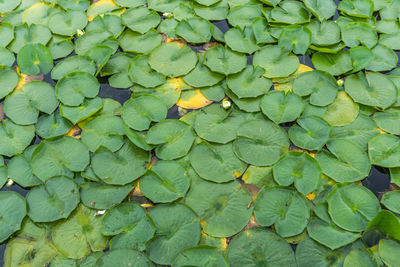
34 59
324 33
260 246
173 138
72 64
124 258
223 60
360 256
122 167
59 156
243 15
12 211
183 227
276 61
93 38
260 143
131 41
14 138
298 168
385 59
79 113
54 200
352 206
8 80
344 162
173 59
67 22
6 57
139 72
342 111
216 163
194 30
384 150
391 200
19 169
321 9
202 76
387 251
201 255
311 133
242 41
33 34
23 105
7 33
281 107
387 120
361 57
334 64
140 19
296 39
290 12
225 211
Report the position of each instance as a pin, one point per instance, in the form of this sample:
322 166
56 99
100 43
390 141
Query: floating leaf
321 9
111 22
68 22
352 206
6 57
14 138
8 80
54 200
276 61
360 256
223 60
202 76
7 33
387 120
296 39
290 12
12 211
201 254
131 41
124 258
140 19
260 246
19 169
384 150
385 58
9 5
140 72
387 251
93 38
355 33
262 33
85 110
361 57
260 143
34 59
59 157
344 162
311 133
183 226
324 33
243 15
216 163
72 64
194 30
242 41
225 211
334 64
122 167
33 34
300 168
173 138
357 8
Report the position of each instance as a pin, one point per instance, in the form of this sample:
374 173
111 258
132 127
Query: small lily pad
201 255
202 76
14 138
223 60
385 58
72 64
8 80
139 72
243 15
357 8
194 30
7 33
384 150
19 169
296 39
131 41
34 59
387 251
12 211
124 258
67 22
391 200
388 120
242 41
79 113
140 19
290 12
334 64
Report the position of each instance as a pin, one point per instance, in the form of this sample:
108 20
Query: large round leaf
276 61
388 120
124 258
242 41
295 38
201 255
223 60
14 138
19 169
8 5
12 211
68 22
300 168
173 138
74 87
243 15
290 12
260 143
334 64
80 234
388 252
139 72
284 208
384 59
344 162
140 19
72 64
319 85
59 157
166 181
202 76
352 206
216 163
122 167
223 208
259 247
384 150
54 200
173 59
177 228
140 111
34 59
194 30
391 200
371 89
281 107
8 80
364 257
23 105
79 113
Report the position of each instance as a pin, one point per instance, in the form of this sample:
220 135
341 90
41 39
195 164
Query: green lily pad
284 208
352 206
103 196
342 111
216 163
3 172
361 57
140 111
173 138
92 38
311 133
74 87
217 11
243 15
223 60
355 33
33 34
76 237
357 8
360 256
9 5
385 59
137 138
391 201
104 130
260 246
128 220
23 105
387 120
7 33
54 200
14 138
173 59
131 41
122 167
324 33
321 9
124 258
59 156
290 12
60 46
72 64
249 82
298 168
384 150
34 59
262 32
281 107
344 162
8 80
19 169
295 38
276 61
334 64
371 89
111 22
67 22
130 3
81 112
165 182
225 211
242 41
12 211
202 255
177 228
194 30
202 76
260 143
140 19
140 72
387 251
6 57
